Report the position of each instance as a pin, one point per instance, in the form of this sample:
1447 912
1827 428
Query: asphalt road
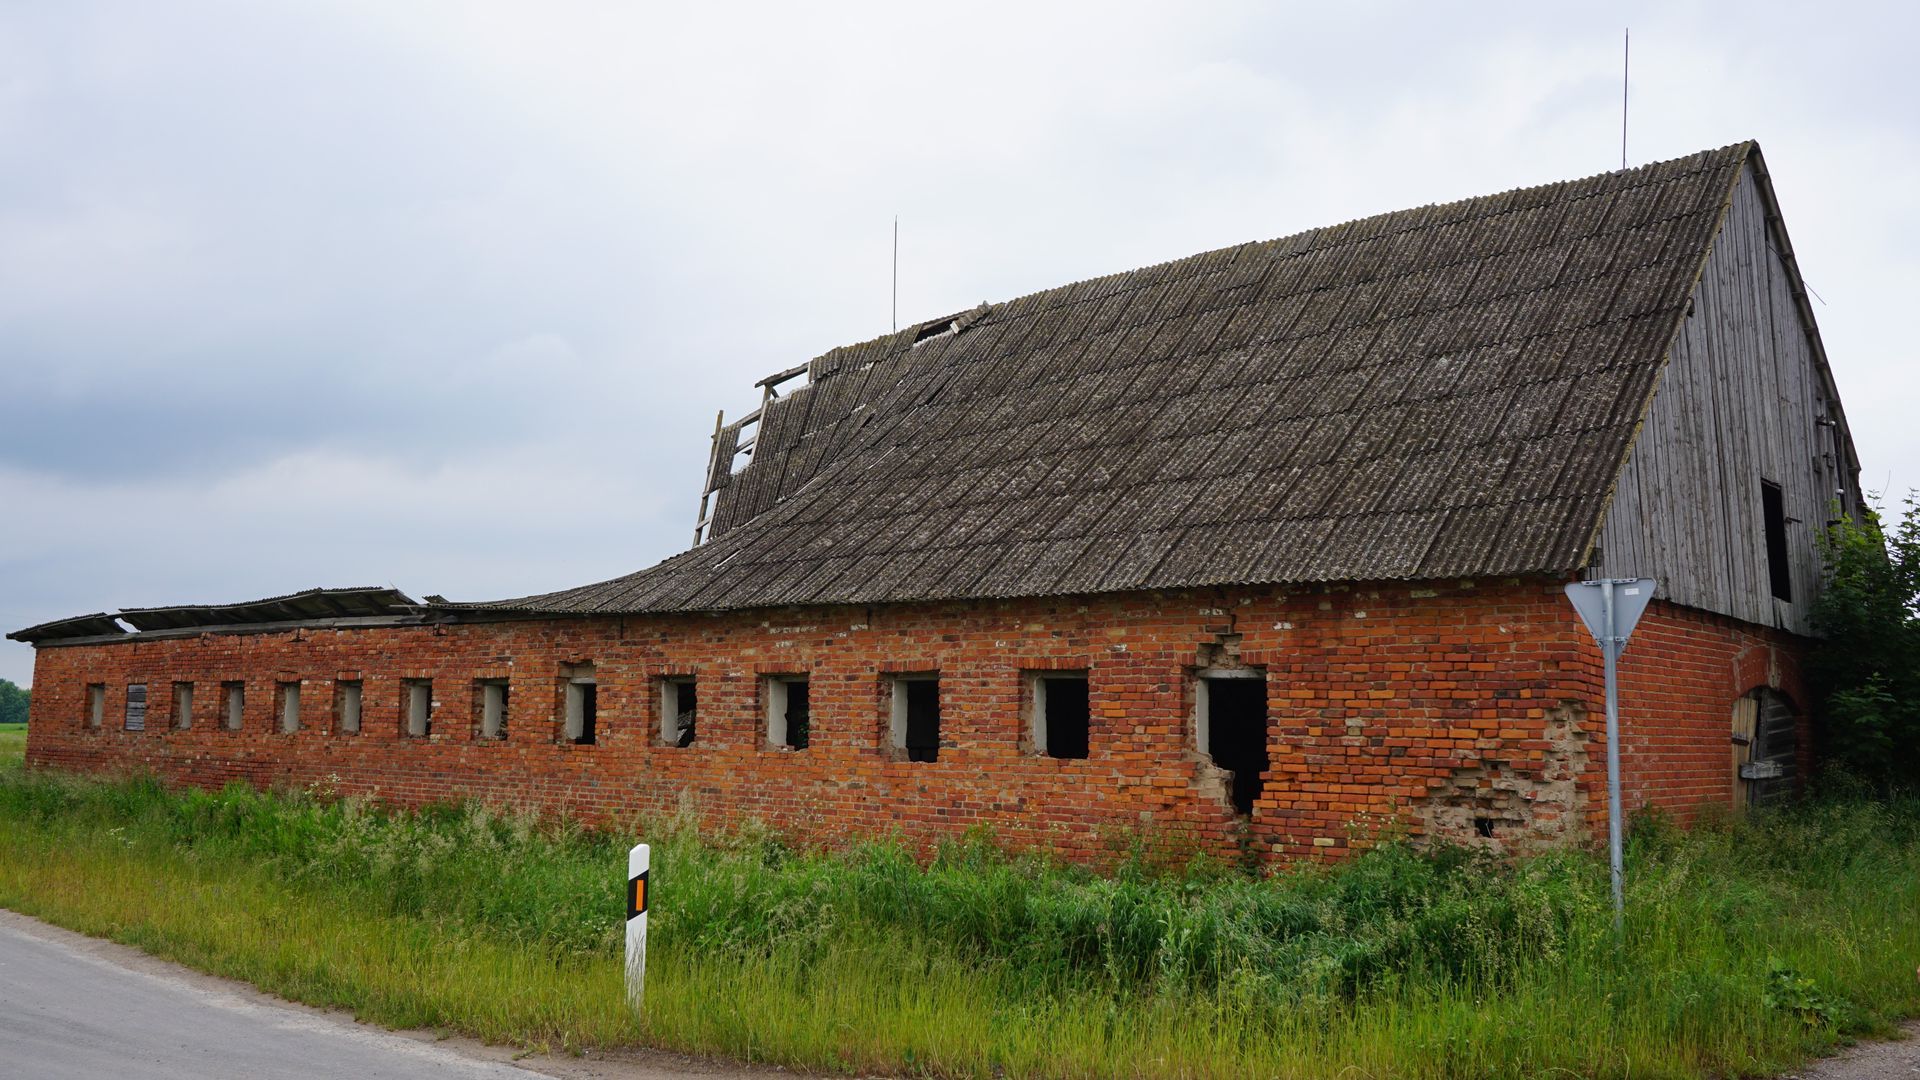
67 1011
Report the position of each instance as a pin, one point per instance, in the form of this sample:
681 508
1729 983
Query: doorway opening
1233 730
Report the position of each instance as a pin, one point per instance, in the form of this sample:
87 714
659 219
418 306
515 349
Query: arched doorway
1766 732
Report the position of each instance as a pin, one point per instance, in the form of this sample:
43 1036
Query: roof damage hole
1235 715
745 439
936 329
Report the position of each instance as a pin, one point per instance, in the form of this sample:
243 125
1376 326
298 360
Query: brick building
1261 550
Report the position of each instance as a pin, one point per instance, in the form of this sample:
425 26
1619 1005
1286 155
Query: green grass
1747 946
13 745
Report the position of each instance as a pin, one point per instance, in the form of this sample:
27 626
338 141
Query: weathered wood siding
1742 400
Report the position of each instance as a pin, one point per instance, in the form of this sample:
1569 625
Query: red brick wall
1679 677
1428 706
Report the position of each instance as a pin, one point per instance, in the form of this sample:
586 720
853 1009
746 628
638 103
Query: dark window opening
1237 734
1066 714
789 712
679 711
1773 506
583 713
1483 826
917 718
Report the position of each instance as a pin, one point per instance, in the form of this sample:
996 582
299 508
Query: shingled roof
1440 392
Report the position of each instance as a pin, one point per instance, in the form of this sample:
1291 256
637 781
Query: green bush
1865 672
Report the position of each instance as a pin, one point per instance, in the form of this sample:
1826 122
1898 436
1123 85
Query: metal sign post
637 861
1610 608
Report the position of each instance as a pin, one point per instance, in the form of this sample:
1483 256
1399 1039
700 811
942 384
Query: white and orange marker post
637 861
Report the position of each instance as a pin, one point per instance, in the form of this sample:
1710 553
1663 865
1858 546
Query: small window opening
1483 827
493 709
137 707
1061 715
96 705
236 693
583 707
1233 730
346 700
417 699
1779 568
916 716
679 710
789 711
289 710
182 706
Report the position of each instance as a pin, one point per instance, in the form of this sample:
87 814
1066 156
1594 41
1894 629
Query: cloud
445 294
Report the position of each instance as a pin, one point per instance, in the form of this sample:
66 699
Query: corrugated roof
364 602
1439 392
98 624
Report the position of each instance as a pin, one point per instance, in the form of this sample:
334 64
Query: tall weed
1747 943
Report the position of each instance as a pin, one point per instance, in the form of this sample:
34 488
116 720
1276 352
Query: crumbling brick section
1418 708
1498 806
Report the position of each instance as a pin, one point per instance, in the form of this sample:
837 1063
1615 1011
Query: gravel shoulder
1896 1059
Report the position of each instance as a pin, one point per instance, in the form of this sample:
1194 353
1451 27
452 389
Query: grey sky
446 295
